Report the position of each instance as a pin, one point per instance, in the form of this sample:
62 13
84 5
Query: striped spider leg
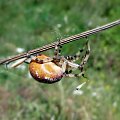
80 66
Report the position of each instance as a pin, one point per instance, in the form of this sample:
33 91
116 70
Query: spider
49 70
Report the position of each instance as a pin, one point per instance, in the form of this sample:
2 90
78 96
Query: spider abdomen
45 72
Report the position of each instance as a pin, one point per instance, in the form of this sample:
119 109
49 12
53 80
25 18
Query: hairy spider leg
68 73
73 59
83 62
75 75
57 51
86 56
77 55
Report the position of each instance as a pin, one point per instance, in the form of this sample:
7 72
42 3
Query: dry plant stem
62 42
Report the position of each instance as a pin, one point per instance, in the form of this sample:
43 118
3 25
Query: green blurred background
29 24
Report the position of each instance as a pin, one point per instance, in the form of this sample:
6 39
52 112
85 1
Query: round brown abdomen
46 72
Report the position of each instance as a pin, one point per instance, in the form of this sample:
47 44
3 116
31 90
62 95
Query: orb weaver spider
49 70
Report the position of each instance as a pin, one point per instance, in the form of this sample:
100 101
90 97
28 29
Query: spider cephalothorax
49 70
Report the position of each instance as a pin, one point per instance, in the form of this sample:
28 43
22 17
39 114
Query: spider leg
76 56
71 59
75 75
29 59
64 66
57 51
18 62
74 66
86 56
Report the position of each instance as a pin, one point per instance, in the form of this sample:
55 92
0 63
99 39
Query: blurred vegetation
29 24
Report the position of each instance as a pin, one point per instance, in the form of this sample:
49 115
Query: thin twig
62 42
